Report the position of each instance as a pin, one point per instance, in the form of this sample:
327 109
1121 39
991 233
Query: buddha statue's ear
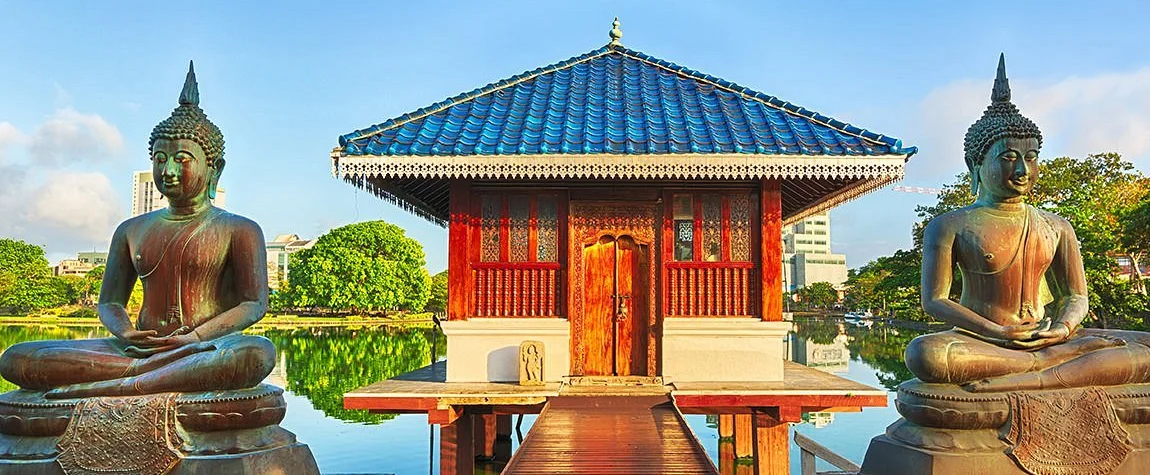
217 170
974 180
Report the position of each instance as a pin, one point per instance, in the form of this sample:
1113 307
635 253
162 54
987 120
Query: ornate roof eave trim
845 195
609 166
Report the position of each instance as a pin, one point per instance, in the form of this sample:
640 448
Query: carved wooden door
615 307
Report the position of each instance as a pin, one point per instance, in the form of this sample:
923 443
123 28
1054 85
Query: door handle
621 313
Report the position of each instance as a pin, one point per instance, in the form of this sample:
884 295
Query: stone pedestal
232 432
887 456
946 430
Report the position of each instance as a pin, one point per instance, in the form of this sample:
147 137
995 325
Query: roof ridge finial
1001 91
190 95
616 33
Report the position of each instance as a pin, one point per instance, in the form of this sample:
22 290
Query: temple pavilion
615 234
621 209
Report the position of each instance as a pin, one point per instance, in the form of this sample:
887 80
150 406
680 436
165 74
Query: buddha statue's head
187 149
1001 147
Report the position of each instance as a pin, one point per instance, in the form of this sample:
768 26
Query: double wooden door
616 289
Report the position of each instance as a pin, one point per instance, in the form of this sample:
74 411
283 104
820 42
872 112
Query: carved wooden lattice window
491 211
547 217
740 227
519 228
519 211
711 227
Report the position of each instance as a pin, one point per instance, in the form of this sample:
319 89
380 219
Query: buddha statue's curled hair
999 121
188 121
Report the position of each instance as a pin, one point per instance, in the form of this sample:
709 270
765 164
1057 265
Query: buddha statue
1007 250
178 391
204 279
1018 386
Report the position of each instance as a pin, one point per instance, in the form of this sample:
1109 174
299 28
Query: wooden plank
771 240
459 287
610 435
771 445
626 255
818 450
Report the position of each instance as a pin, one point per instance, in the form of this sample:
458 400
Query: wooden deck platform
803 389
610 435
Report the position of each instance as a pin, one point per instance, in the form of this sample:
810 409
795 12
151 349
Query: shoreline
277 321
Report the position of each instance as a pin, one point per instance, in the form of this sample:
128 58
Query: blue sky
83 83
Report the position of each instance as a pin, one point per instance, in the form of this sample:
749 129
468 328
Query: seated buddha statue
1005 338
204 279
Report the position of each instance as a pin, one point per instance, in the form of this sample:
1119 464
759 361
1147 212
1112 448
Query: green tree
819 295
26 282
369 266
438 300
88 288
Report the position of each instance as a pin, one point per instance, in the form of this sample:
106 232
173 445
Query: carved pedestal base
233 432
290 459
887 456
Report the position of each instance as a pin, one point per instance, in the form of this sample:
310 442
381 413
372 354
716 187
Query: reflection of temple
830 357
627 213
278 375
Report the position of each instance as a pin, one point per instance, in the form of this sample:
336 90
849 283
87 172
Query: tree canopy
26 281
819 295
438 300
1103 197
369 266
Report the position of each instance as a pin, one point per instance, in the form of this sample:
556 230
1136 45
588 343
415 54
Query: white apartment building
278 251
146 198
807 256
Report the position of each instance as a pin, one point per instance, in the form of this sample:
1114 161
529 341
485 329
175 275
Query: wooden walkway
610 435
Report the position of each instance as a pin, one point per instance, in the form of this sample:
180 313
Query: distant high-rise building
146 198
807 256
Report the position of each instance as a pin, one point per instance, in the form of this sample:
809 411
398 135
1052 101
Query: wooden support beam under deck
456 447
772 444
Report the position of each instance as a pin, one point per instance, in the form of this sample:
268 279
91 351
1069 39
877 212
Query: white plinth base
487 349
723 349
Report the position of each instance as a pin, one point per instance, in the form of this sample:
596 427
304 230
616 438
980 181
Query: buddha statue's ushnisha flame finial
188 121
1000 120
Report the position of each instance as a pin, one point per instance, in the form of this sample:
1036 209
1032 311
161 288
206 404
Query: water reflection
319 363
829 344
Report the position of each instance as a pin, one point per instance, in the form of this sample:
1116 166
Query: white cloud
81 203
70 136
9 136
1077 115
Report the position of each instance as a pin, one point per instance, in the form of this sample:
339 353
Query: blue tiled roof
616 101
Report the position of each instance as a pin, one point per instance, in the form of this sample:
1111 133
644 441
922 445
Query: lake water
318 365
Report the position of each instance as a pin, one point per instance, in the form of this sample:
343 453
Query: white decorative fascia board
622 166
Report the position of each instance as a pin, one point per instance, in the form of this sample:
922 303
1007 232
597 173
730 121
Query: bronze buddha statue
1006 251
177 391
1018 386
204 280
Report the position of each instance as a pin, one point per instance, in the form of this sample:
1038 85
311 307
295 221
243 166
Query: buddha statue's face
181 171
1009 169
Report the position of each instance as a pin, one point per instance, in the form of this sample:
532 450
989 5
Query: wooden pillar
744 436
726 457
502 438
726 426
772 445
484 436
771 252
459 252
456 448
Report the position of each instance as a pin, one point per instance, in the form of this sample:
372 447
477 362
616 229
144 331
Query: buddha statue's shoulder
236 223
953 221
